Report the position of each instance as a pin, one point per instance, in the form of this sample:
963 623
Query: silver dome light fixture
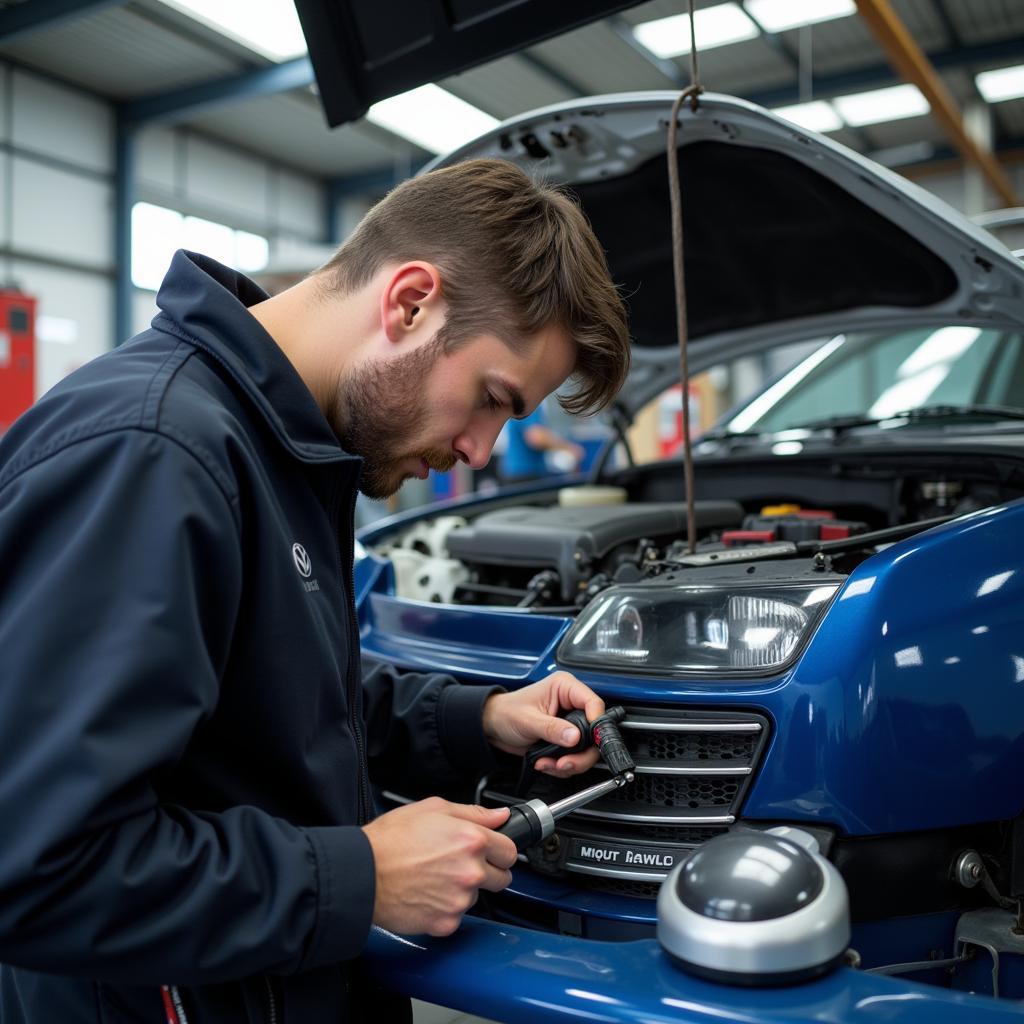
755 908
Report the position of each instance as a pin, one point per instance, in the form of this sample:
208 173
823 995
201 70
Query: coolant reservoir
755 908
591 494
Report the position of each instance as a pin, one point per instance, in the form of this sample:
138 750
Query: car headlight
659 629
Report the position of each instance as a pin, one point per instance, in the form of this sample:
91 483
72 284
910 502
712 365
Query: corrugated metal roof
122 53
508 86
889 134
599 61
1011 116
143 47
291 129
981 21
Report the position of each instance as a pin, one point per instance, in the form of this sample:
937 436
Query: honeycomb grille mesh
677 791
710 746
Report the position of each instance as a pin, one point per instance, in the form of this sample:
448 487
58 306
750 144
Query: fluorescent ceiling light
270 27
780 15
1002 84
817 116
714 26
432 118
879 105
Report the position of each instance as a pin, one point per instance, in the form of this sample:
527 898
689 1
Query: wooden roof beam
910 61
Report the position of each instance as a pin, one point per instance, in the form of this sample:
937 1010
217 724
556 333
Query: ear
412 292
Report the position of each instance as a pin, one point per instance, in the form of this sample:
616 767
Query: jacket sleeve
121 574
425 731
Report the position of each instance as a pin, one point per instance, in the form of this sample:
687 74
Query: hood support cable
691 92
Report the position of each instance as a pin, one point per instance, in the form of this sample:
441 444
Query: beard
378 408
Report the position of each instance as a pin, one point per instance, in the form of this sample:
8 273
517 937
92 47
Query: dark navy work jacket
184 741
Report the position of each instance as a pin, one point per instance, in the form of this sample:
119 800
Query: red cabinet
17 355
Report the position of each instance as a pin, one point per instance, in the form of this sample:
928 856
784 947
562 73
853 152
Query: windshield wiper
724 434
925 412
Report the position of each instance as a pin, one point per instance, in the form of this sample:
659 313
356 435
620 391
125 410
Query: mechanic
186 733
530 440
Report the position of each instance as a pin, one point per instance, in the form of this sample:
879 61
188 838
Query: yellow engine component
780 510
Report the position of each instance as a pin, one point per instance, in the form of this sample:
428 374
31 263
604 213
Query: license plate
624 858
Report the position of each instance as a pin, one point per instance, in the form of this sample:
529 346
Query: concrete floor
428 1013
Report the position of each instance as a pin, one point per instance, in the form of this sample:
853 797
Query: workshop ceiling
140 49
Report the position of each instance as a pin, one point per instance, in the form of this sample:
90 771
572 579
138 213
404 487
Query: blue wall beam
559 78
948 25
776 42
25 18
382 180
338 189
193 99
124 200
824 86
669 68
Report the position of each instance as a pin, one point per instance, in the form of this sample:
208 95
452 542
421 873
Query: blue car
843 651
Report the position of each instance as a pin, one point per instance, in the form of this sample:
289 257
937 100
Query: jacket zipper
355 683
271 1004
174 1012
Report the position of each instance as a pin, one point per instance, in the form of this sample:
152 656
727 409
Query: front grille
714 746
693 771
678 791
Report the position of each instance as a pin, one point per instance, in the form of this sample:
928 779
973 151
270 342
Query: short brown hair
515 257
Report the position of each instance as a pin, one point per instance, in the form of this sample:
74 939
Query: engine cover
569 540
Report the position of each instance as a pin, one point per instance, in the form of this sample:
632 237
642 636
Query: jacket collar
206 304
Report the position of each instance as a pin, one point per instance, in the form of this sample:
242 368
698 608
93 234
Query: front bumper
524 977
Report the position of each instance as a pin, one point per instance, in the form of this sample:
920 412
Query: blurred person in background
534 450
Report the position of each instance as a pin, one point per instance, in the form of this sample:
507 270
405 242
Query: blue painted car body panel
902 713
905 711
421 635
510 974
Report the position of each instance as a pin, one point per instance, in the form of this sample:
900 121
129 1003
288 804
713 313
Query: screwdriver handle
528 824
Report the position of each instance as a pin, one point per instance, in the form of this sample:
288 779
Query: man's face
425 409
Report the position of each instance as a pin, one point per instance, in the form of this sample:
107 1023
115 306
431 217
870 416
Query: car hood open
788 235
363 50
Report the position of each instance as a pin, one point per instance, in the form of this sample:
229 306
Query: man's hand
431 858
513 722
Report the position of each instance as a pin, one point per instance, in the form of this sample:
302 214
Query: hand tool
532 822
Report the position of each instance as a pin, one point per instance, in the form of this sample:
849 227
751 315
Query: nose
475 444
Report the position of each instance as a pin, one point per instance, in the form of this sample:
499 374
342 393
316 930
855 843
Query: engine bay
559 550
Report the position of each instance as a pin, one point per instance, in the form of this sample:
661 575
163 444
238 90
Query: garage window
157 232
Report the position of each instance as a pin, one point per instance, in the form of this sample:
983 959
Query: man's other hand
514 721
431 859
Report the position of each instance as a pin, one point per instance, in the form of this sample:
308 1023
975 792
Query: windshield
881 375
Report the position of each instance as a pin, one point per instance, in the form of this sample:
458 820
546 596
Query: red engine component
17 355
793 524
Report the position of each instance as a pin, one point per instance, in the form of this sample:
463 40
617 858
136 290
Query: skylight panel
780 15
270 27
431 117
816 116
714 26
880 105
1001 84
